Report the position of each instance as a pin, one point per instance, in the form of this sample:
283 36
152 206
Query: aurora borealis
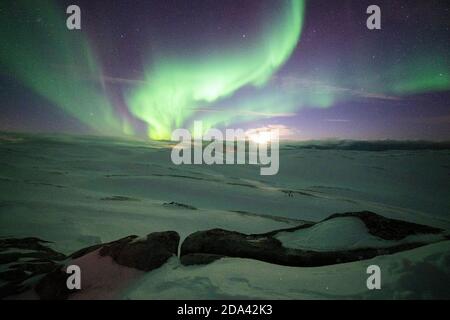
146 68
173 89
55 65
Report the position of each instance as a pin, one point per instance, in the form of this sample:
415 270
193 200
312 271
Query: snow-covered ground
343 234
79 191
422 273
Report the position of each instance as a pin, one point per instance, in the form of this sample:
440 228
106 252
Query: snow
52 187
342 234
416 274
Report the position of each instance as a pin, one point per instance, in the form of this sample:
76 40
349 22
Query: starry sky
144 68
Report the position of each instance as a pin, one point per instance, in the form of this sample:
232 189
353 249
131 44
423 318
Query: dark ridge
266 247
201 246
267 216
179 205
119 198
240 184
53 286
46 260
387 228
177 176
143 254
291 193
45 272
381 145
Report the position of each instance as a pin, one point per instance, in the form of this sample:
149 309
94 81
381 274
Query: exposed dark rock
16 256
119 198
203 247
44 260
179 205
229 243
140 253
30 243
271 217
14 250
291 193
377 225
143 254
266 247
35 267
12 288
272 233
387 228
12 275
53 286
84 251
218 242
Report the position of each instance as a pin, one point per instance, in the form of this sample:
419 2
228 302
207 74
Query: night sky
145 68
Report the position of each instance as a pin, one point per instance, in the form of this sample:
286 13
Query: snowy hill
84 191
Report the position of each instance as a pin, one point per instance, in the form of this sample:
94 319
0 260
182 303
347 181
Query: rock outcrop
387 228
142 254
30 266
25 258
206 246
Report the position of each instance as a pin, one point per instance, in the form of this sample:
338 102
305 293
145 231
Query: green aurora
177 88
56 64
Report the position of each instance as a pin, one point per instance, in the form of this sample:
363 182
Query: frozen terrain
82 191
